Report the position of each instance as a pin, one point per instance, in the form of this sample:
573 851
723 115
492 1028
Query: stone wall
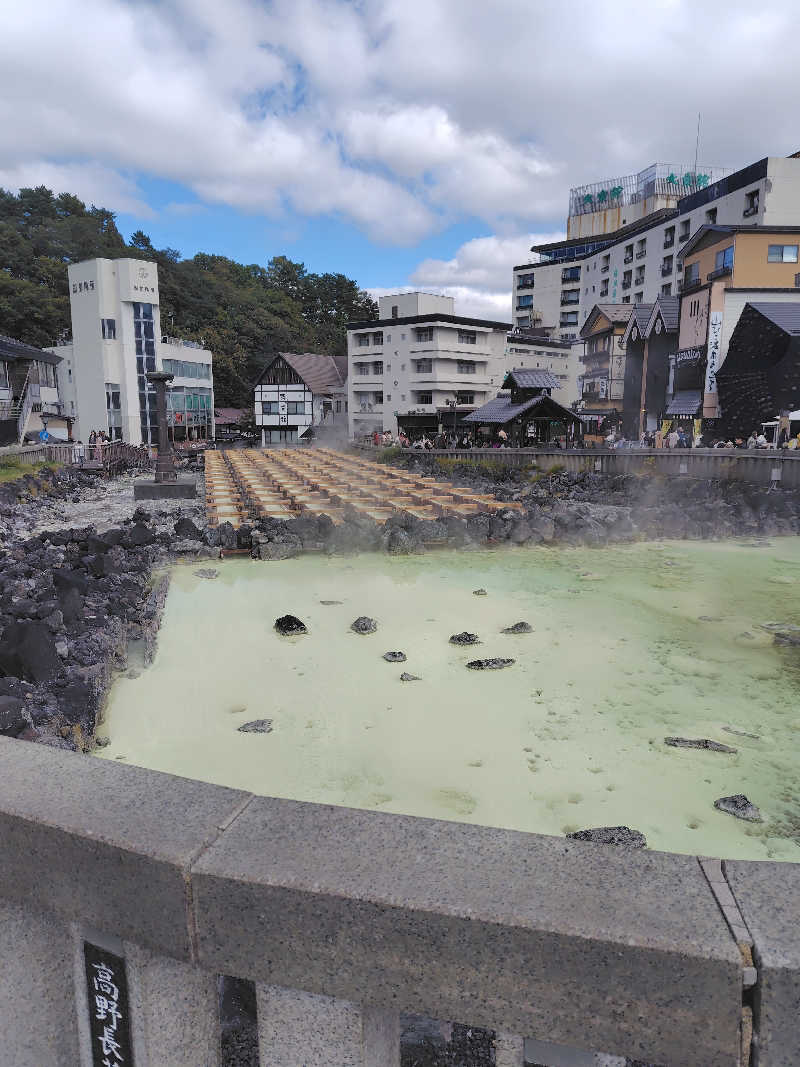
345 918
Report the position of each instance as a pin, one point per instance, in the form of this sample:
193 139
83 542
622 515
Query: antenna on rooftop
697 147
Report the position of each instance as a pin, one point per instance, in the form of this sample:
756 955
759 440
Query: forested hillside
243 314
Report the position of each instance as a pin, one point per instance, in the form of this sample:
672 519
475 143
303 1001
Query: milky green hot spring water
630 644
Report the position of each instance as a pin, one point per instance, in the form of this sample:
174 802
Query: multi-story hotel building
420 366
624 236
116 340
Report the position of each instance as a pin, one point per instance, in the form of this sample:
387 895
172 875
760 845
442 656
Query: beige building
603 387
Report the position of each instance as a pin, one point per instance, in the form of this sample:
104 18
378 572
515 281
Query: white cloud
92 182
401 116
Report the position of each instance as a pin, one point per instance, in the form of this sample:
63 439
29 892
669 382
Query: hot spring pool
630 644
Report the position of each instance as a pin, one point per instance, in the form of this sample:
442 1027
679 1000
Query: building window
465 398
362 368
638 297
467 337
639 279
377 338
626 279
626 299
667 265
571 296
669 237
524 301
388 396
604 287
751 203
423 366
685 230
394 311
108 328
363 340
782 254
605 263
338 407
377 367
525 281
724 258
691 274
424 398
569 318
145 361
666 290
424 333
378 398
641 248
628 256
711 216
523 320
269 407
466 366
571 274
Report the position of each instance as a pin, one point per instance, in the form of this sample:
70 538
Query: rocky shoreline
81 588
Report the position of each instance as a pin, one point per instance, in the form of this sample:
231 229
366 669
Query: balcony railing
750 211
666 270
565 299
628 258
685 236
627 285
604 269
669 242
639 280
568 276
720 272
525 285
641 253
690 286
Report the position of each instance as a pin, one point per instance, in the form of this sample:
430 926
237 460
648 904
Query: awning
686 402
419 422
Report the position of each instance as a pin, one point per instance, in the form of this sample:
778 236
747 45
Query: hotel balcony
720 272
666 271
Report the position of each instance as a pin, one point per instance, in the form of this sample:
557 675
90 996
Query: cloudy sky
407 143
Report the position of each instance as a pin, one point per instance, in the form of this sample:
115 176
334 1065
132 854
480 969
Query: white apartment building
116 340
637 262
420 366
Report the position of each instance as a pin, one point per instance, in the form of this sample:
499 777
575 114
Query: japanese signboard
109 1015
714 337
688 356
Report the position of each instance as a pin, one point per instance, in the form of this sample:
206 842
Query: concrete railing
344 919
763 466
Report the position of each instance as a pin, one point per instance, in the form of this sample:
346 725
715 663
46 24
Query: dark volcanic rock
741 733
612 835
28 650
289 625
140 535
394 657
364 625
739 806
519 628
329 603
479 592
227 535
257 726
206 572
13 719
399 543
464 638
700 742
494 664
184 527
406 677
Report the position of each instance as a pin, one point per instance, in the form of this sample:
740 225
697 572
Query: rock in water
206 572
257 726
406 677
329 603
489 664
612 835
464 638
289 625
741 733
364 625
739 806
394 657
700 742
519 628
479 592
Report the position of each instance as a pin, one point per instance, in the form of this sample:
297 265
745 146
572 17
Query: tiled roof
12 350
525 378
785 316
502 410
685 403
321 373
641 315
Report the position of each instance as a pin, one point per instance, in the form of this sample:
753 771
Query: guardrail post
38 1019
318 1031
175 1011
